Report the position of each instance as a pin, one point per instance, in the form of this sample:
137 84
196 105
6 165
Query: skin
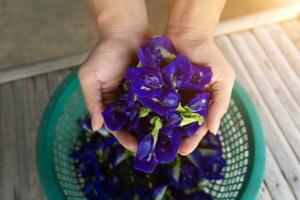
124 27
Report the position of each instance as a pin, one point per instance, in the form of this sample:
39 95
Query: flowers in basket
105 170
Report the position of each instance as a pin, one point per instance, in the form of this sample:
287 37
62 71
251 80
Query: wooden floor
267 62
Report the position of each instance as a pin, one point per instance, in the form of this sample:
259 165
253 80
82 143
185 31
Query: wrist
129 39
189 36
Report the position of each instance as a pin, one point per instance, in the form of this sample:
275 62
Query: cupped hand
100 76
201 49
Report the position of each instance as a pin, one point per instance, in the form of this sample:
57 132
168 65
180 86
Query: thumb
91 89
221 94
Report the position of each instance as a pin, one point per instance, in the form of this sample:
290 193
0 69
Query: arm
191 28
115 17
123 27
194 16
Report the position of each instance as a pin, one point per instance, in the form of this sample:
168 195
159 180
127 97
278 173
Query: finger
221 94
189 144
91 89
126 139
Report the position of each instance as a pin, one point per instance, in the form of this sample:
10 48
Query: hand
201 49
102 72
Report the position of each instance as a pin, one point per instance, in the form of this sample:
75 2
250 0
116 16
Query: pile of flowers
162 101
105 170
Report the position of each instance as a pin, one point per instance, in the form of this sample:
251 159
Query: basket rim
44 142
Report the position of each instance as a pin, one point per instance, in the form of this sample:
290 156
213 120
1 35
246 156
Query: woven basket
241 135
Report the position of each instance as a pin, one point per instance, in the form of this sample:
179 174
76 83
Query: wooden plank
9 174
53 80
267 68
42 67
277 109
292 29
275 181
264 193
279 61
275 138
258 19
36 192
22 123
287 47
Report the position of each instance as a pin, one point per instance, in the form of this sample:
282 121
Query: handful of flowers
162 100
105 170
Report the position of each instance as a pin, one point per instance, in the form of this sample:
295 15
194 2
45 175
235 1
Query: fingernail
215 129
95 123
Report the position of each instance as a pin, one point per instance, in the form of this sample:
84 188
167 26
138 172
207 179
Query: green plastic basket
241 135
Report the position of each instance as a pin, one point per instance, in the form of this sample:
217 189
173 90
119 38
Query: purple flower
173 120
167 146
163 104
199 103
189 130
188 176
155 51
145 157
85 124
201 76
114 119
178 72
145 82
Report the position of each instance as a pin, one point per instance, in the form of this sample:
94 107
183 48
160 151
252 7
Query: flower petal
145 148
167 146
163 104
178 72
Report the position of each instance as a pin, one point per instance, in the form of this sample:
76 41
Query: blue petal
200 103
189 130
85 124
147 166
167 146
178 72
151 54
163 104
146 82
173 120
145 148
113 119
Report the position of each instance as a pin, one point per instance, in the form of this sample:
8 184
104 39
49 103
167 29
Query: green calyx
144 112
176 169
167 55
188 116
157 125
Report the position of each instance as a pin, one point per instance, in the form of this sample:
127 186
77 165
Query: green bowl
241 135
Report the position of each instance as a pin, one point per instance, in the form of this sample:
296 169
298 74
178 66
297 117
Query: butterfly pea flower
167 145
163 104
201 76
85 124
173 120
145 82
178 72
155 51
114 119
199 103
146 159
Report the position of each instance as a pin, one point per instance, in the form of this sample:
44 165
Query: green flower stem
176 169
157 125
188 116
144 112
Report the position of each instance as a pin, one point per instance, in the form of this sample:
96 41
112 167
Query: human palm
204 51
100 76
